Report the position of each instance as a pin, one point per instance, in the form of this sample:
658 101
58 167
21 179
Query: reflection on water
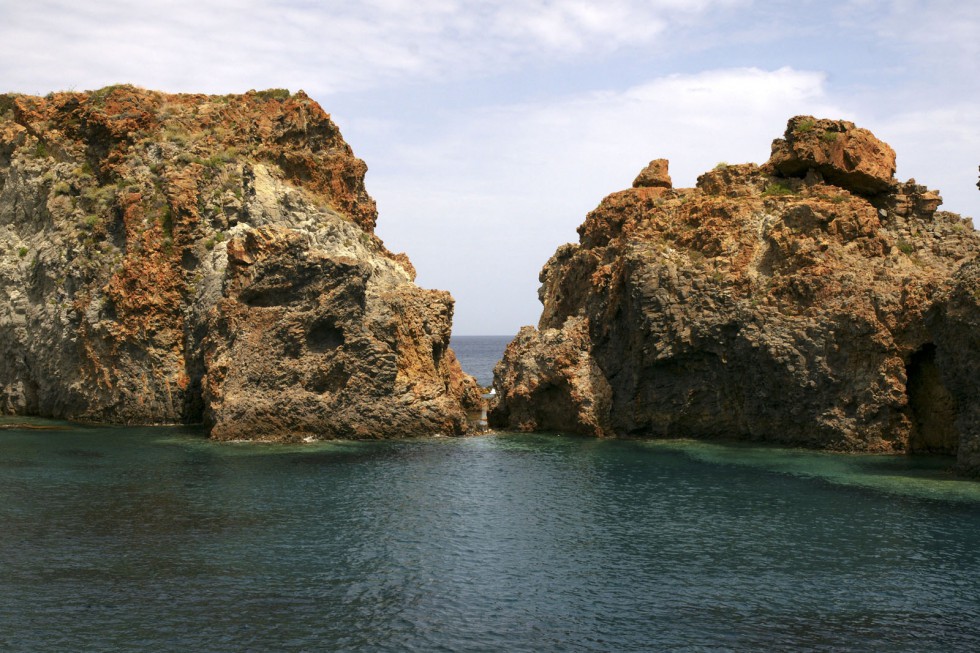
136 539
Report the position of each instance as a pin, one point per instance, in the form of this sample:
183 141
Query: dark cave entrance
931 406
324 336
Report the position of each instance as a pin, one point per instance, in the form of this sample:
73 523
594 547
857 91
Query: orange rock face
813 301
654 176
138 226
845 155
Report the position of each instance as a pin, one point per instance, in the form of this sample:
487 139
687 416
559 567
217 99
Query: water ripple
158 540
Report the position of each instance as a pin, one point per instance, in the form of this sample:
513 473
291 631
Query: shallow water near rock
157 539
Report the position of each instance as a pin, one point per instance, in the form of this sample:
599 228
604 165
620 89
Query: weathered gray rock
953 413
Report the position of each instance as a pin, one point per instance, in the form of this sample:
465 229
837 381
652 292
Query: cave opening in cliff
931 406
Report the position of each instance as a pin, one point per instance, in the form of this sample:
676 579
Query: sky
490 128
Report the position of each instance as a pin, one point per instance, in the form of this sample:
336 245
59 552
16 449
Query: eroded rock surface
843 154
178 258
655 175
813 300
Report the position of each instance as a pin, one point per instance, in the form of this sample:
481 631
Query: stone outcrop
186 258
843 154
654 175
813 300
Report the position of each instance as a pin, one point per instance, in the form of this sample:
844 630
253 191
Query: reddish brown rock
654 176
845 155
761 305
178 258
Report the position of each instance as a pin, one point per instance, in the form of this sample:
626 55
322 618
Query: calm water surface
156 539
478 354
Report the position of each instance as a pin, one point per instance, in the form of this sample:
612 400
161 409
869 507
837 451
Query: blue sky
491 128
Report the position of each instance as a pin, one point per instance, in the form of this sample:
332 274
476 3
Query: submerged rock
179 258
813 300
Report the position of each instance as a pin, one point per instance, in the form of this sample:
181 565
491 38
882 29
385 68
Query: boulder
845 155
654 176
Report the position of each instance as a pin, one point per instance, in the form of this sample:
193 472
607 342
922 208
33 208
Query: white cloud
574 25
219 45
953 25
941 38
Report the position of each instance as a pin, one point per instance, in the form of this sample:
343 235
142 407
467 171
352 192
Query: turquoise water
156 539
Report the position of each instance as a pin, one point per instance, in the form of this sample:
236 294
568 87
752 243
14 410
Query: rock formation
813 300
186 258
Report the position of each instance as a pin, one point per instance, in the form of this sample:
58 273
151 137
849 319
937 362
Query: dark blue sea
478 355
156 539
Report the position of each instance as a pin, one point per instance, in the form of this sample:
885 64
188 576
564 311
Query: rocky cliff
813 300
186 258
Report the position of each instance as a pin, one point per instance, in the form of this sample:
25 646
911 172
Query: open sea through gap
156 539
